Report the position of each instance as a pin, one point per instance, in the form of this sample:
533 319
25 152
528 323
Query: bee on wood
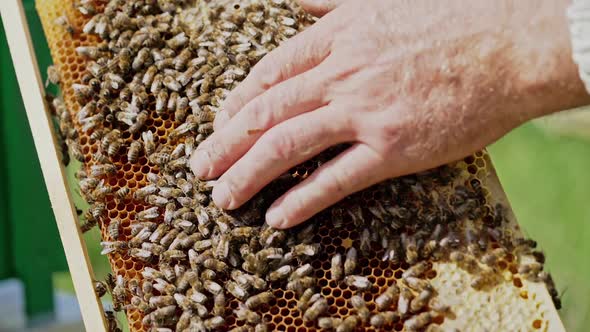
112 323
53 75
100 288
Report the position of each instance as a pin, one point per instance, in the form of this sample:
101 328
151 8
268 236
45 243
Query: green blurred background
546 178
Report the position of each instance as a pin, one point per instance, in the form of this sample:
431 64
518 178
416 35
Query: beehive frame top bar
29 79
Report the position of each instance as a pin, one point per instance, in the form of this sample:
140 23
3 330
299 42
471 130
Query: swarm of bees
206 269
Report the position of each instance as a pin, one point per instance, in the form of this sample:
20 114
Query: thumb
319 7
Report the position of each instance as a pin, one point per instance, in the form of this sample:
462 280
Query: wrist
547 78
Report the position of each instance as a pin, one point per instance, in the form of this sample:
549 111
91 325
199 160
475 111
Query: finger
319 7
355 169
297 95
286 145
297 55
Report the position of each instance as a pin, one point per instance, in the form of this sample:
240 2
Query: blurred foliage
547 180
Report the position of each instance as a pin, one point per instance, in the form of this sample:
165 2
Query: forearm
547 77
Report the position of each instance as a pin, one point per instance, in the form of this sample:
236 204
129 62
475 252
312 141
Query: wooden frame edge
29 80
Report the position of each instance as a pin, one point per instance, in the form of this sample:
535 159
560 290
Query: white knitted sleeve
579 17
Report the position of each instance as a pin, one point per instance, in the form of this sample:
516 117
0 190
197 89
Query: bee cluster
200 268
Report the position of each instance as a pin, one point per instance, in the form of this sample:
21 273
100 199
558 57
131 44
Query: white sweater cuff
578 15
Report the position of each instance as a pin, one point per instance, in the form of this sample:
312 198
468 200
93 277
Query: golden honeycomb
515 304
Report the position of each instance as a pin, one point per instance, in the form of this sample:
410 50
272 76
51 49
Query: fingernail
221 195
220 119
201 163
275 217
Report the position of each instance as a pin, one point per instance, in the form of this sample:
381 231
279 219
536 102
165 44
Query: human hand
412 84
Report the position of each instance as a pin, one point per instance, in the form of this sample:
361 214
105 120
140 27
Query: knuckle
261 114
338 181
283 146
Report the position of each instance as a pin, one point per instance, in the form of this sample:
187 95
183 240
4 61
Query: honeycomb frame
527 299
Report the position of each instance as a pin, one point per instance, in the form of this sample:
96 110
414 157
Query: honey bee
329 323
214 323
157 200
245 314
138 303
82 93
405 297
236 290
112 324
148 142
122 193
139 122
162 314
531 268
317 309
299 285
416 270
100 288
417 283
170 83
243 328
64 22
418 322
53 75
113 228
259 299
484 279
143 192
490 258
466 262
302 271
349 324
161 301
148 214
390 296
420 301
336 270
359 282
281 273
358 303
212 287
178 41
119 293
305 299
303 249
384 318
215 265
219 304
351 261
88 224
113 246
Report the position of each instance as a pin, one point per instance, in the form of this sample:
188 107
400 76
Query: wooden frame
29 80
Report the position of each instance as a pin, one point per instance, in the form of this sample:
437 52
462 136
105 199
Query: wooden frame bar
29 79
